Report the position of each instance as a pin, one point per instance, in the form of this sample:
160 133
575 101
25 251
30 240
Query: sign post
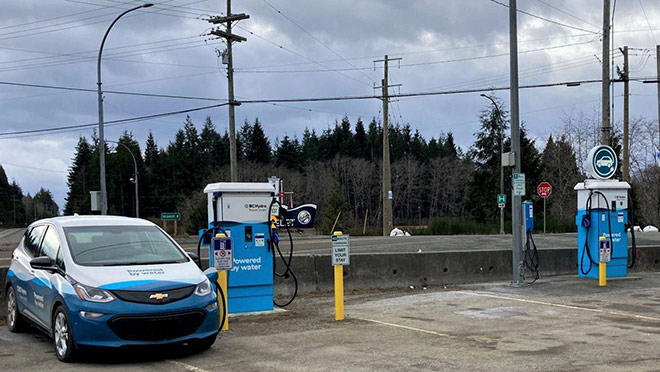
171 216
544 189
340 257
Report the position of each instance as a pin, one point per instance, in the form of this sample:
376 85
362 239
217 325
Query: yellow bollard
222 280
602 266
339 288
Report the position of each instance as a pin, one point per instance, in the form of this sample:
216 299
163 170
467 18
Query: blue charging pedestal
528 213
593 224
242 212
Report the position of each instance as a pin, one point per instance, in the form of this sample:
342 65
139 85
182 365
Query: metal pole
516 205
606 127
500 121
233 156
626 117
104 194
544 214
137 199
387 182
657 55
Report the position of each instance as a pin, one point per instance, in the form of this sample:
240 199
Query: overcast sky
162 50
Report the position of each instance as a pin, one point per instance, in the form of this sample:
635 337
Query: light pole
137 199
499 119
104 194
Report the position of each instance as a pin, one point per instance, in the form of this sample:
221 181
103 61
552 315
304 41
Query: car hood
139 277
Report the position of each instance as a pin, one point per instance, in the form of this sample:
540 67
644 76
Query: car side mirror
195 258
43 263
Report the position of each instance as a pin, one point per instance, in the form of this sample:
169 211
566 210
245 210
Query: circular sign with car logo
304 217
602 162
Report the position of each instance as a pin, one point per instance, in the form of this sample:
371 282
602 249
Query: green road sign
519 184
501 198
171 216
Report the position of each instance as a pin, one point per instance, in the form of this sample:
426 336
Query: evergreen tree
485 153
360 140
45 204
310 146
257 146
243 140
374 141
450 148
79 180
212 146
288 153
335 202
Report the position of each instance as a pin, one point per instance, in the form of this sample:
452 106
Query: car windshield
121 245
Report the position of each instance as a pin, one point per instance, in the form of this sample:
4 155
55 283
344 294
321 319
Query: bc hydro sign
602 162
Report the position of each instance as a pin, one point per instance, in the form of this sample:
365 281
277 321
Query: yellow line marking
404 327
572 307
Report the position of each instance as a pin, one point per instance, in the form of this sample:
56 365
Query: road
558 324
320 245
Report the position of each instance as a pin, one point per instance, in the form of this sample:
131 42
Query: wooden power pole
606 126
229 40
625 76
387 174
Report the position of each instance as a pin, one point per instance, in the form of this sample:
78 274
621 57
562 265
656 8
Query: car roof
95 220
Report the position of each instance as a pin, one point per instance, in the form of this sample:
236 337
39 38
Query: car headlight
92 294
203 288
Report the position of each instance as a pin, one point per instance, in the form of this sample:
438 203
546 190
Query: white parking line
403 327
187 366
572 307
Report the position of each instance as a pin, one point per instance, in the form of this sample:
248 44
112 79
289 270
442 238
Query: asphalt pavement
558 324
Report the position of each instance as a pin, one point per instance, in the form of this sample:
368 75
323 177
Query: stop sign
544 189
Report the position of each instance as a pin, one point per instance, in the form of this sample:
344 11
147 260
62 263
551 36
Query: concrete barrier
388 271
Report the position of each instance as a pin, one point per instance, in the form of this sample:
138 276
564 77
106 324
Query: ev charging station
242 212
602 216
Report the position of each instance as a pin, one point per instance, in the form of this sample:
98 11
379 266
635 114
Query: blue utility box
242 211
602 205
528 215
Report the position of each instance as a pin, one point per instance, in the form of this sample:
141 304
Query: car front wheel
65 348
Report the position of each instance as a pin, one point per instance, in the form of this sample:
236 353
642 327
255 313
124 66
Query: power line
52 18
318 41
32 168
545 19
28 85
647 22
119 121
568 14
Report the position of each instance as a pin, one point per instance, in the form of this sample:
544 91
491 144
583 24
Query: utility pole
606 126
14 200
229 40
516 205
657 56
387 176
625 76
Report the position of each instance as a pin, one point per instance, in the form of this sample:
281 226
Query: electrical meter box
242 211
602 212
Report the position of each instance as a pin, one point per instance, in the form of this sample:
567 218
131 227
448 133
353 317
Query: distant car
605 161
108 281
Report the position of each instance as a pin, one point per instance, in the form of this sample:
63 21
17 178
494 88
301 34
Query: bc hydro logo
602 162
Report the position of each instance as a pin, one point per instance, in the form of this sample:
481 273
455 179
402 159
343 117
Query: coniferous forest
438 188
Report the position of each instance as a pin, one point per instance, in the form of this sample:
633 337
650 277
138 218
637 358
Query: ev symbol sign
602 162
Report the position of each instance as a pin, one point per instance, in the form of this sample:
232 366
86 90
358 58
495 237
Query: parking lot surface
560 323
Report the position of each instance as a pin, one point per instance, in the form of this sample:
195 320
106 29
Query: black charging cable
531 257
275 246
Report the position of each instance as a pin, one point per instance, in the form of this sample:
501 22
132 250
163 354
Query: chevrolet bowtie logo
158 296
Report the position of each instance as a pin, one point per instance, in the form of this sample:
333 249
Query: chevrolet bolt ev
108 281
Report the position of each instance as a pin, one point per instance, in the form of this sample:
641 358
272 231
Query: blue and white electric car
109 281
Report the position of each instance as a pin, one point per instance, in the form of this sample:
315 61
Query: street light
104 194
499 118
134 180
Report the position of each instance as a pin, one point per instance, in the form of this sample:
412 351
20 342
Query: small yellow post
222 280
602 266
176 230
339 288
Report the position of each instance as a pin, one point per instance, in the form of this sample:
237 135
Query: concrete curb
387 271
